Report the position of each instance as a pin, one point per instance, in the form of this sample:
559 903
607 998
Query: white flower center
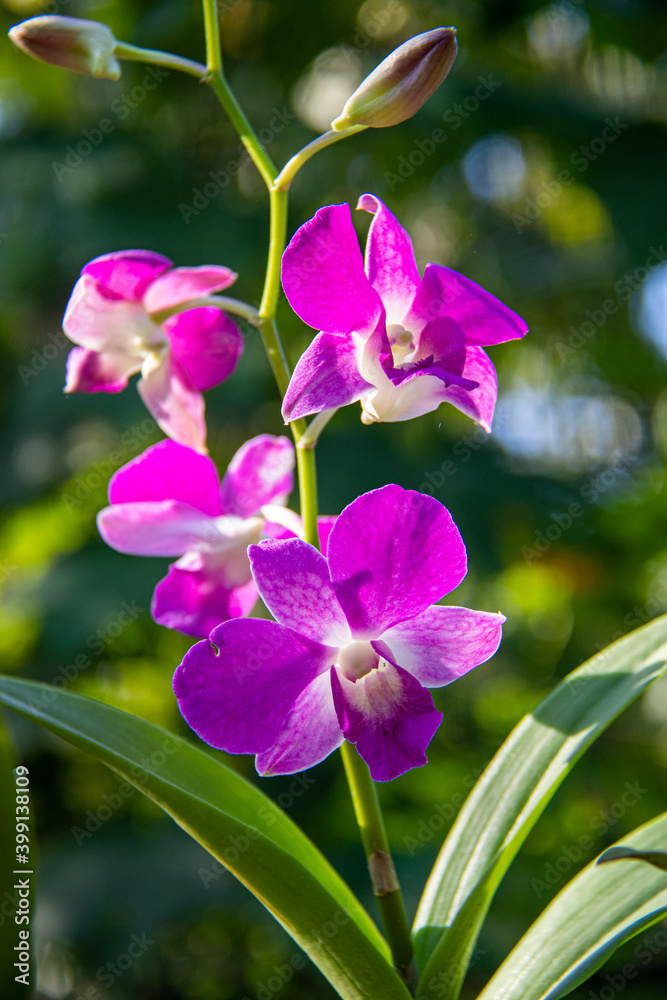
401 342
356 659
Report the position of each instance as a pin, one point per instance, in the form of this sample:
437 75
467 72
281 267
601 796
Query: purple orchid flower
169 502
116 314
399 343
354 646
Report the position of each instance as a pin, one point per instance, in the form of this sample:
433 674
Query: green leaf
603 906
656 858
221 810
513 792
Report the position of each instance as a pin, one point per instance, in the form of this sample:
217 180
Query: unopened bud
405 80
83 46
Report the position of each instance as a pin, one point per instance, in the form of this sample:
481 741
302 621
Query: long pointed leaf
237 823
513 792
603 906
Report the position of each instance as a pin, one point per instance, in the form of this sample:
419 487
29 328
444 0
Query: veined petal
323 274
156 528
261 472
237 689
477 403
182 284
311 732
442 643
169 471
170 397
293 581
326 375
126 274
393 552
483 317
195 597
390 718
390 260
418 393
108 324
206 344
99 371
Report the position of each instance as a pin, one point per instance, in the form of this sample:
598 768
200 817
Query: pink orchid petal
194 597
477 403
175 405
126 274
442 643
206 344
293 581
443 340
260 473
102 324
237 690
281 522
156 528
324 525
323 274
326 375
392 553
99 371
390 718
169 471
483 317
310 733
390 260
182 284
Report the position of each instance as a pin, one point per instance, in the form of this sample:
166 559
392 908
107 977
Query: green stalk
133 53
289 171
380 865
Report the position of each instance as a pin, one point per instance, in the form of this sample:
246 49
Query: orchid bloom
399 343
354 646
169 502
118 314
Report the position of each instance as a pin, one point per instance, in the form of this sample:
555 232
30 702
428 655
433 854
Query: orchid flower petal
293 581
326 375
260 473
323 274
442 643
182 284
393 552
99 323
390 260
126 274
310 733
175 405
390 718
206 344
156 528
169 471
483 317
99 371
250 670
194 597
477 403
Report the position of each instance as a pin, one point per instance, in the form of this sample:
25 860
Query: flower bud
83 46
405 80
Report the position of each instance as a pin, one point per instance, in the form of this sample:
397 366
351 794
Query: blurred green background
549 190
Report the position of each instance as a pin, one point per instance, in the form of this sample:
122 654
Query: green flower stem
315 428
380 866
234 306
133 53
291 168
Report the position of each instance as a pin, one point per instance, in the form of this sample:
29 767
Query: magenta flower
354 646
399 343
117 314
169 502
